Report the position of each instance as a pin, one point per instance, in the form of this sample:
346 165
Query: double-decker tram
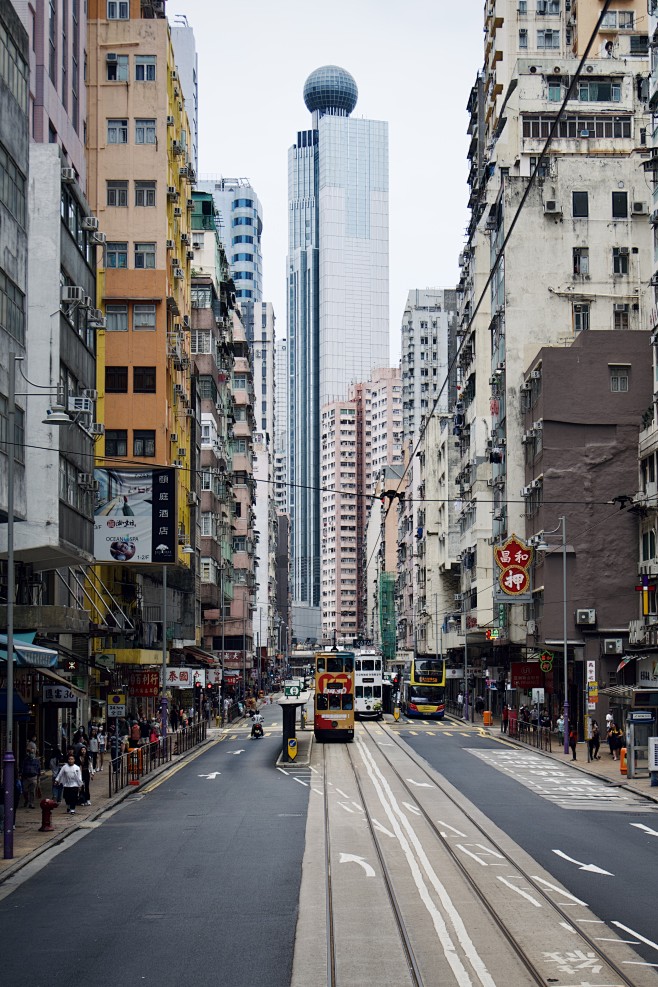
368 678
423 689
334 695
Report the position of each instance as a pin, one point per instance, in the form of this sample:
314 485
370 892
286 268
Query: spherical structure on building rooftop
330 88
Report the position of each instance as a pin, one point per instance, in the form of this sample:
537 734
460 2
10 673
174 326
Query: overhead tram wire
501 249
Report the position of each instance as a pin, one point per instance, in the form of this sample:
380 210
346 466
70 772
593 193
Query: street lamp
541 546
57 417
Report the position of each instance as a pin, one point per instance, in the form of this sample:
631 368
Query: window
648 545
117 193
620 316
201 341
626 20
12 308
523 6
620 260
19 430
12 186
581 317
116 442
620 205
242 257
144 68
242 238
145 256
599 91
580 205
116 68
244 293
239 382
544 168
581 260
145 131
116 316
52 40
555 91
118 10
117 131
201 297
639 44
242 275
144 442
618 379
117 255
144 380
242 203
144 316
116 380
243 221
548 38
144 193
571 127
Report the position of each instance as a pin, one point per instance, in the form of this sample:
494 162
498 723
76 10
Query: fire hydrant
47 806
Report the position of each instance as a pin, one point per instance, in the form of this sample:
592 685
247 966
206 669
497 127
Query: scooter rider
256 723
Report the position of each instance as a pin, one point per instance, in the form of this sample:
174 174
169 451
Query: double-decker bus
368 678
423 689
333 703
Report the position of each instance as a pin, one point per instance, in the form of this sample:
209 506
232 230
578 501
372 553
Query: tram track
539 975
329 901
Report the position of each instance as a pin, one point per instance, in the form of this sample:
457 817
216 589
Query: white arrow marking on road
351 858
651 832
237 752
592 868
382 829
420 784
211 776
411 808
637 935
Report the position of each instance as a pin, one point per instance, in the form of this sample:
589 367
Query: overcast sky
414 64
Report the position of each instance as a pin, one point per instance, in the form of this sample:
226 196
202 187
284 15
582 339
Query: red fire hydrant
47 806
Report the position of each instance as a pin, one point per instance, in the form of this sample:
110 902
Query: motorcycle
257 730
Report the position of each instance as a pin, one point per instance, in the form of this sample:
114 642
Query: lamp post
466 716
541 546
164 704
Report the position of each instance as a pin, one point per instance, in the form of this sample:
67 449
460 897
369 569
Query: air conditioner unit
182 452
190 413
458 597
179 389
111 57
174 261
91 393
535 374
172 192
490 481
71 293
97 428
639 208
526 385
624 251
637 632
526 491
620 307
185 238
584 133
538 425
531 627
99 238
96 317
173 437
84 479
179 463
192 498
170 121
186 322
586 618
174 75
552 208
90 223
176 147
94 486
178 212
80 405
653 218
190 204
179 273
190 255
68 175
536 484
613 646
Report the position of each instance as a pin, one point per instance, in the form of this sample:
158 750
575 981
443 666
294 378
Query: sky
414 64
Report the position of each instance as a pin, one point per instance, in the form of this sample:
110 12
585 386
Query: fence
135 764
526 733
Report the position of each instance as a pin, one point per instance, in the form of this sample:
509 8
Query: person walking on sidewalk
30 774
102 743
70 777
573 740
87 772
615 740
594 742
504 719
93 747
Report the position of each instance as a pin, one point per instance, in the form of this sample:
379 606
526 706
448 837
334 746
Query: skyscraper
337 295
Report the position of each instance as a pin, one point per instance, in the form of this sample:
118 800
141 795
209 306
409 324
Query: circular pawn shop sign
514 580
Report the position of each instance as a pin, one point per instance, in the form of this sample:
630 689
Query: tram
368 680
333 703
423 691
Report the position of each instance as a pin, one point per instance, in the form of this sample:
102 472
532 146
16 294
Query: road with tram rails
423 853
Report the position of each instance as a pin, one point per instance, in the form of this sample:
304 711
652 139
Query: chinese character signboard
58 695
513 559
135 516
526 675
185 678
144 683
647 673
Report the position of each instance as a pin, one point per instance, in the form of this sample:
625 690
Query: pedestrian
87 772
70 777
559 726
573 740
504 720
594 741
93 747
102 743
56 762
30 775
615 741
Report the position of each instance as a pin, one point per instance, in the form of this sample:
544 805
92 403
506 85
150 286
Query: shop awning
21 711
28 654
53 676
198 654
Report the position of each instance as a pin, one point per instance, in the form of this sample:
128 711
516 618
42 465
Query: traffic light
493 634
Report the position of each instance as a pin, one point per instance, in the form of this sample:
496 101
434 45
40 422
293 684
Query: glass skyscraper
337 297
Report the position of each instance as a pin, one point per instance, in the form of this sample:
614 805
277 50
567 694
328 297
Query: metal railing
138 762
530 734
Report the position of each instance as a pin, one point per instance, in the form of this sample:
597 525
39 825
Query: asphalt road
195 882
606 838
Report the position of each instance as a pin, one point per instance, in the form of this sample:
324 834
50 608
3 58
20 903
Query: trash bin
622 761
487 718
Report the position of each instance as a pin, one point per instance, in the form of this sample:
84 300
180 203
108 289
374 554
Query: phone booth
640 725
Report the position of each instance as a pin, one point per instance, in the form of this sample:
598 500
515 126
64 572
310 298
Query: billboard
135 515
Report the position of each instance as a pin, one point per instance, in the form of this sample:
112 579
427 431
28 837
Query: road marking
457 832
300 782
236 752
357 807
314 770
382 829
420 784
319 791
591 868
646 829
211 776
341 792
412 808
283 772
347 808
351 858
637 935
565 894
520 891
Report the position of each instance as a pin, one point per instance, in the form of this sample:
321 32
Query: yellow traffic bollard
292 749
396 713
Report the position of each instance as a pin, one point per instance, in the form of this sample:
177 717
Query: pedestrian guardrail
136 763
530 734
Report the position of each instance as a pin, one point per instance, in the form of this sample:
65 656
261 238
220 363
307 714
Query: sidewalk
606 769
